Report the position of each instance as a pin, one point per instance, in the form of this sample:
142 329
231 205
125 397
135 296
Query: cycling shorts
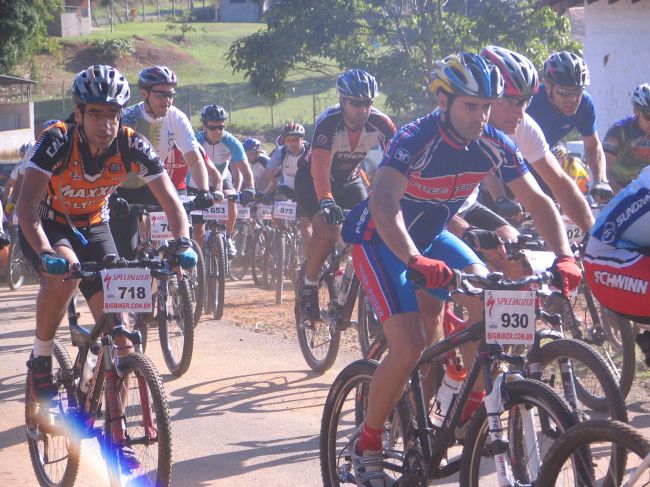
383 275
346 194
482 217
100 244
619 279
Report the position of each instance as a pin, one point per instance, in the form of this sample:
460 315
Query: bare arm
214 176
389 187
494 186
197 166
566 191
166 195
27 208
321 165
541 207
246 173
595 156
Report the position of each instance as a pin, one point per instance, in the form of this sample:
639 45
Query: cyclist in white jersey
224 150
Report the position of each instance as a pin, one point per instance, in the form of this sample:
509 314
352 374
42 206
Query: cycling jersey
631 146
174 129
331 134
617 258
259 166
80 184
441 174
227 149
556 125
288 164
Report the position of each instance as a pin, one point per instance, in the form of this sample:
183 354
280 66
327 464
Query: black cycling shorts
346 195
482 217
100 244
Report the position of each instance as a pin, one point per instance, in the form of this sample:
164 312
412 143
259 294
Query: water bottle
345 282
454 376
87 373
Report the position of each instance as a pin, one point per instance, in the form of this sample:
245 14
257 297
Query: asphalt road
246 413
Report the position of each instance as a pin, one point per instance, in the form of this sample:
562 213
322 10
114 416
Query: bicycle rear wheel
197 283
17 266
319 340
564 464
280 253
147 422
368 325
343 416
176 326
53 449
526 446
257 256
240 262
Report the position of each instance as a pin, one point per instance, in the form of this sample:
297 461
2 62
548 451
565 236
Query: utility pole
111 14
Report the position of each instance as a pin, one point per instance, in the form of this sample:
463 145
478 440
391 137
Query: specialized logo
107 280
618 281
490 304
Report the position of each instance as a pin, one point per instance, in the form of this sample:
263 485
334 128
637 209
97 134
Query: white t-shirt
530 140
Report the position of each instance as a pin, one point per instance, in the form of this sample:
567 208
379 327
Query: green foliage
182 23
398 41
23 29
111 49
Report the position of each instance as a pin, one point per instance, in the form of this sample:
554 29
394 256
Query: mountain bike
581 457
16 266
173 312
337 294
121 401
524 415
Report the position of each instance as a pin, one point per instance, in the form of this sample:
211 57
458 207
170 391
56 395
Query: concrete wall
16 126
72 22
617 44
238 11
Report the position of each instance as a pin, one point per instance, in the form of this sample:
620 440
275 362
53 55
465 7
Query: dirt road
246 413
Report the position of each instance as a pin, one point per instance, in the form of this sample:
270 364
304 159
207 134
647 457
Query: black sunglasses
213 128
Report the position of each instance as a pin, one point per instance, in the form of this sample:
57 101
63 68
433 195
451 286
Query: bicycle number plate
160 226
243 212
510 317
126 290
266 211
285 210
216 212
573 232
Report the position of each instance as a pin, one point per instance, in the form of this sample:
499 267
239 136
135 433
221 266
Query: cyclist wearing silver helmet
63 212
627 142
430 167
329 180
563 104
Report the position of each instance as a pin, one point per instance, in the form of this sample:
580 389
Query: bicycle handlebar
87 270
465 283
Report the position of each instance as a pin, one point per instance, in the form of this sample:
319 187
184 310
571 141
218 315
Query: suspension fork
113 409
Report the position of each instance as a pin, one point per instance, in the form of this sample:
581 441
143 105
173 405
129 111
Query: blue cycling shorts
383 275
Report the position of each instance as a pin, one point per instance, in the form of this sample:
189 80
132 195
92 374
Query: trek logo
102 191
617 281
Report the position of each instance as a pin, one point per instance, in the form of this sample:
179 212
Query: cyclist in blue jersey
430 167
627 142
562 105
226 153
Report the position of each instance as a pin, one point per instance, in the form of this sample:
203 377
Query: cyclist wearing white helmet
259 162
430 167
562 104
329 180
72 171
627 142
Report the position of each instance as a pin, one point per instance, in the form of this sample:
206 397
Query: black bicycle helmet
213 113
100 84
156 75
566 69
293 128
356 83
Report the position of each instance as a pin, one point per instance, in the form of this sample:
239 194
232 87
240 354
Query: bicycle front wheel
197 283
280 252
176 325
240 262
533 418
319 340
17 266
53 449
343 415
146 421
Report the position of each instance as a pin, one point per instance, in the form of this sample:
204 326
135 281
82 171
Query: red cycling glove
429 273
568 274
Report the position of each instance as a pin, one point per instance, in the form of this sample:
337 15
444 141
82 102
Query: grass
205 78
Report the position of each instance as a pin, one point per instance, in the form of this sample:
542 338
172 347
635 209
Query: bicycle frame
342 313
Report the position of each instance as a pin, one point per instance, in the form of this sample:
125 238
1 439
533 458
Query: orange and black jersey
80 184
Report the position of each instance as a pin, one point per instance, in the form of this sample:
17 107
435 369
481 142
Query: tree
397 40
23 29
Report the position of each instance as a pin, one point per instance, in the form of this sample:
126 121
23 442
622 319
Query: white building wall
617 51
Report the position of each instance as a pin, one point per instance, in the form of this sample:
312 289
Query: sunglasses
564 93
358 103
164 94
213 128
